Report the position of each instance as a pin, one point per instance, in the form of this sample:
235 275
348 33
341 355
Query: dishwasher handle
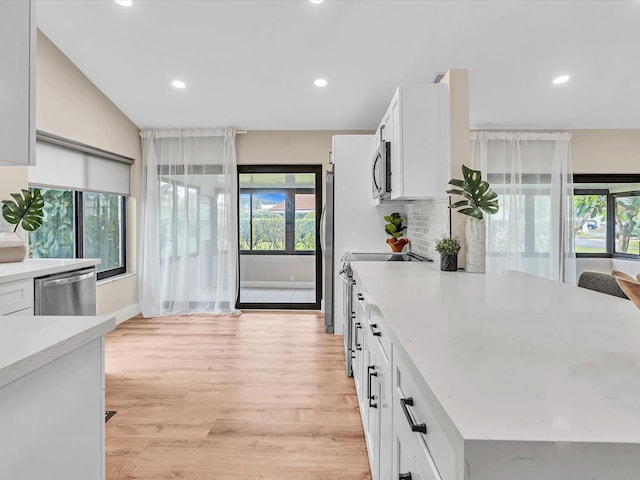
68 280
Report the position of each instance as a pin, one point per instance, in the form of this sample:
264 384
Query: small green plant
478 196
394 227
448 246
26 211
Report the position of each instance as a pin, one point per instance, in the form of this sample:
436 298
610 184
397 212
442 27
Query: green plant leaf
477 192
26 210
461 203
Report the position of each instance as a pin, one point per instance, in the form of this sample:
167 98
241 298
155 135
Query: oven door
380 172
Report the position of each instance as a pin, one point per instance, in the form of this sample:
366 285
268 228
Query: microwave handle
373 173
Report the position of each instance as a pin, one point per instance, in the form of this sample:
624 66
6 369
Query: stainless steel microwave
381 171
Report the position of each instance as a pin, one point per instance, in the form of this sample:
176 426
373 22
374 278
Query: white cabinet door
411 459
16 298
17 99
417 124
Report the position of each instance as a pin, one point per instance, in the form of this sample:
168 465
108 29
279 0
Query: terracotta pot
12 247
397 244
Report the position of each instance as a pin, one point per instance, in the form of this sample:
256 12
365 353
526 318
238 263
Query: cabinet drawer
419 412
379 331
15 296
412 460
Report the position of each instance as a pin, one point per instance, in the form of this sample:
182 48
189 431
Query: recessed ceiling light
561 79
178 84
320 82
125 3
316 1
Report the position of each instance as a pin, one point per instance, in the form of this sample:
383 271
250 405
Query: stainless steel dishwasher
69 293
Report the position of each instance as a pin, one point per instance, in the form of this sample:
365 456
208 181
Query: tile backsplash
427 221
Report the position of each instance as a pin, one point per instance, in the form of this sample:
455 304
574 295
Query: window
591 222
82 225
607 209
181 219
277 221
627 223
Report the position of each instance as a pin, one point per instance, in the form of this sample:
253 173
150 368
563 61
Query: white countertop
39 267
515 357
28 343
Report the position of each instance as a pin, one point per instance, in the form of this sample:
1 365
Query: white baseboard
126 313
284 284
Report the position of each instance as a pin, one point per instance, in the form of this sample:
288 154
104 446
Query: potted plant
395 228
25 210
448 249
478 198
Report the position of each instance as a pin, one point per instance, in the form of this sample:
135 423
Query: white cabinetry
17 98
16 298
418 127
372 371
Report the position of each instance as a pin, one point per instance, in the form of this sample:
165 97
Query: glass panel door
277 228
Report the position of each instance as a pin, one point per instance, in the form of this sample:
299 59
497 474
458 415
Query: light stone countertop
515 357
29 342
40 267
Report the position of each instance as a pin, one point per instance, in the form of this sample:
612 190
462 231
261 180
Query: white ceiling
250 64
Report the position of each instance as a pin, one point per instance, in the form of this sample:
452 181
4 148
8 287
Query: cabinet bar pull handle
360 296
373 331
358 346
415 427
404 476
372 373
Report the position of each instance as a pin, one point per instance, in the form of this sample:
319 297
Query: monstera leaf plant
26 210
478 196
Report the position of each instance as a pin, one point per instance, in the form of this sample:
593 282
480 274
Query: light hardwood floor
259 396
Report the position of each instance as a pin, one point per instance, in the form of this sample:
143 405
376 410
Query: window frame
289 220
611 211
78 218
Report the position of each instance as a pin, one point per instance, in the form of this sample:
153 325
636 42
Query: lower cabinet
396 439
16 298
411 459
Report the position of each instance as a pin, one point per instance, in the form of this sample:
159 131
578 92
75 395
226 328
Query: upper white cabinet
17 83
417 125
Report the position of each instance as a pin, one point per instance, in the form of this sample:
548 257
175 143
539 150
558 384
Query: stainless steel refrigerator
328 252
352 221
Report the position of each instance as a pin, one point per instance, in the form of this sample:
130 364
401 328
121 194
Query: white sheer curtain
532 174
188 244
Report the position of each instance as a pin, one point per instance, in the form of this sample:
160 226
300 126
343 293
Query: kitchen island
520 378
52 397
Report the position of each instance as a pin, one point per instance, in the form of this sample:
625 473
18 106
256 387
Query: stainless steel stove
346 276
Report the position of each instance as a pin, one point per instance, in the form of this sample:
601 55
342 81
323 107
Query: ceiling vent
438 77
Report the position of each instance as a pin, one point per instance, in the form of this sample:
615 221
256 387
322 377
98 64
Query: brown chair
631 289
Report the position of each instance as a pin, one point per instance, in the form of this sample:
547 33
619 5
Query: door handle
415 427
372 373
68 280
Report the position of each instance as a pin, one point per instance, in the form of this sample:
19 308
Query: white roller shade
72 169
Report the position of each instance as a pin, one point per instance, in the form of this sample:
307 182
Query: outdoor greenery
24 210
101 236
264 229
448 246
478 196
394 227
592 221
56 238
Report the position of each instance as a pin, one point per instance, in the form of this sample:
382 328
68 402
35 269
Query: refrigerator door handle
323 229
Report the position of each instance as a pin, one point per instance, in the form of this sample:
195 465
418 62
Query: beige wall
70 106
605 151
